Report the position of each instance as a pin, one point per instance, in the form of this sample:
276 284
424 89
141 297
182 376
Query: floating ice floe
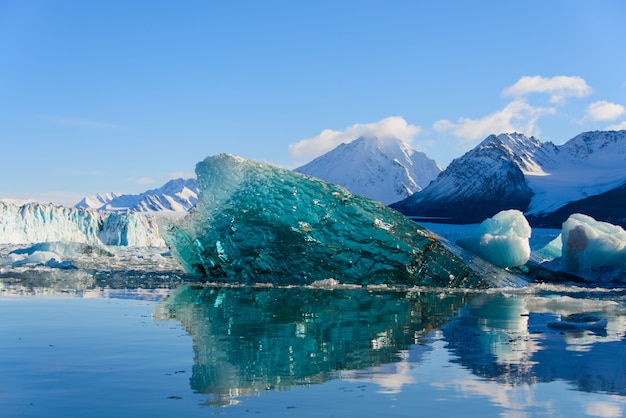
57 255
593 250
255 222
502 240
590 244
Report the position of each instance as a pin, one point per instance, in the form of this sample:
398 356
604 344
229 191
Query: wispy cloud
144 181
608 409
81 123
393 126
181 175
617 127
603 110
517 116
559 87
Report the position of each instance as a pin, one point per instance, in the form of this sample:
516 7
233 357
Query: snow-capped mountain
512 171
482 182
176 196
385 169
587 165
96 201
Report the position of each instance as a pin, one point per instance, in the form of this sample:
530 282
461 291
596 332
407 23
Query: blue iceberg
257 223
503 240
592 250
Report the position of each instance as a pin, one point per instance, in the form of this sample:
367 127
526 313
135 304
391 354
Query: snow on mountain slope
479 184
512 171
588 164
386 169
175 197
97 200
609 206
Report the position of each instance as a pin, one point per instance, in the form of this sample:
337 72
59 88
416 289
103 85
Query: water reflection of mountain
248 339
530 339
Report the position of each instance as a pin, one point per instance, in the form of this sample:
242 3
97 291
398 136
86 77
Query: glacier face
385 169
255 222
35 222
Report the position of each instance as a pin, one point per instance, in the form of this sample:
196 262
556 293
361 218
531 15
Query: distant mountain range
385 169
546 182
174 197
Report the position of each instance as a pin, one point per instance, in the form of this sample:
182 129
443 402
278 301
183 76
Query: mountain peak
596 142
485 180
513 171
528 153
175 196
383 168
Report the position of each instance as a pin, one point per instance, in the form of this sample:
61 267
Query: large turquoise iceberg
255 222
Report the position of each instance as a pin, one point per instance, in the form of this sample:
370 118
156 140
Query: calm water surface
202 350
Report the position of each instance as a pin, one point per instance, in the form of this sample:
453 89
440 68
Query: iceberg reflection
248 339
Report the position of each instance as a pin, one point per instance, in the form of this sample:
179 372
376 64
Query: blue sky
99 96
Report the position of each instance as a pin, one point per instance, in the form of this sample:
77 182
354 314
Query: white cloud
393 126
603 409
559 87
617 127
517 116
604 110
181 175
143 181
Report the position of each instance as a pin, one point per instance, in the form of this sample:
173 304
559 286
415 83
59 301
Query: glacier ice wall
259 223
35 222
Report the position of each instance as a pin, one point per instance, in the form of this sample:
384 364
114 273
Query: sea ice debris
503 240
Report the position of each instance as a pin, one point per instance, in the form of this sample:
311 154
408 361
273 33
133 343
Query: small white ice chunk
502 240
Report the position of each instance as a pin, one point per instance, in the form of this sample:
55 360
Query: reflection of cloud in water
515 402
250 339
390 377
604 409
524 340
521 399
